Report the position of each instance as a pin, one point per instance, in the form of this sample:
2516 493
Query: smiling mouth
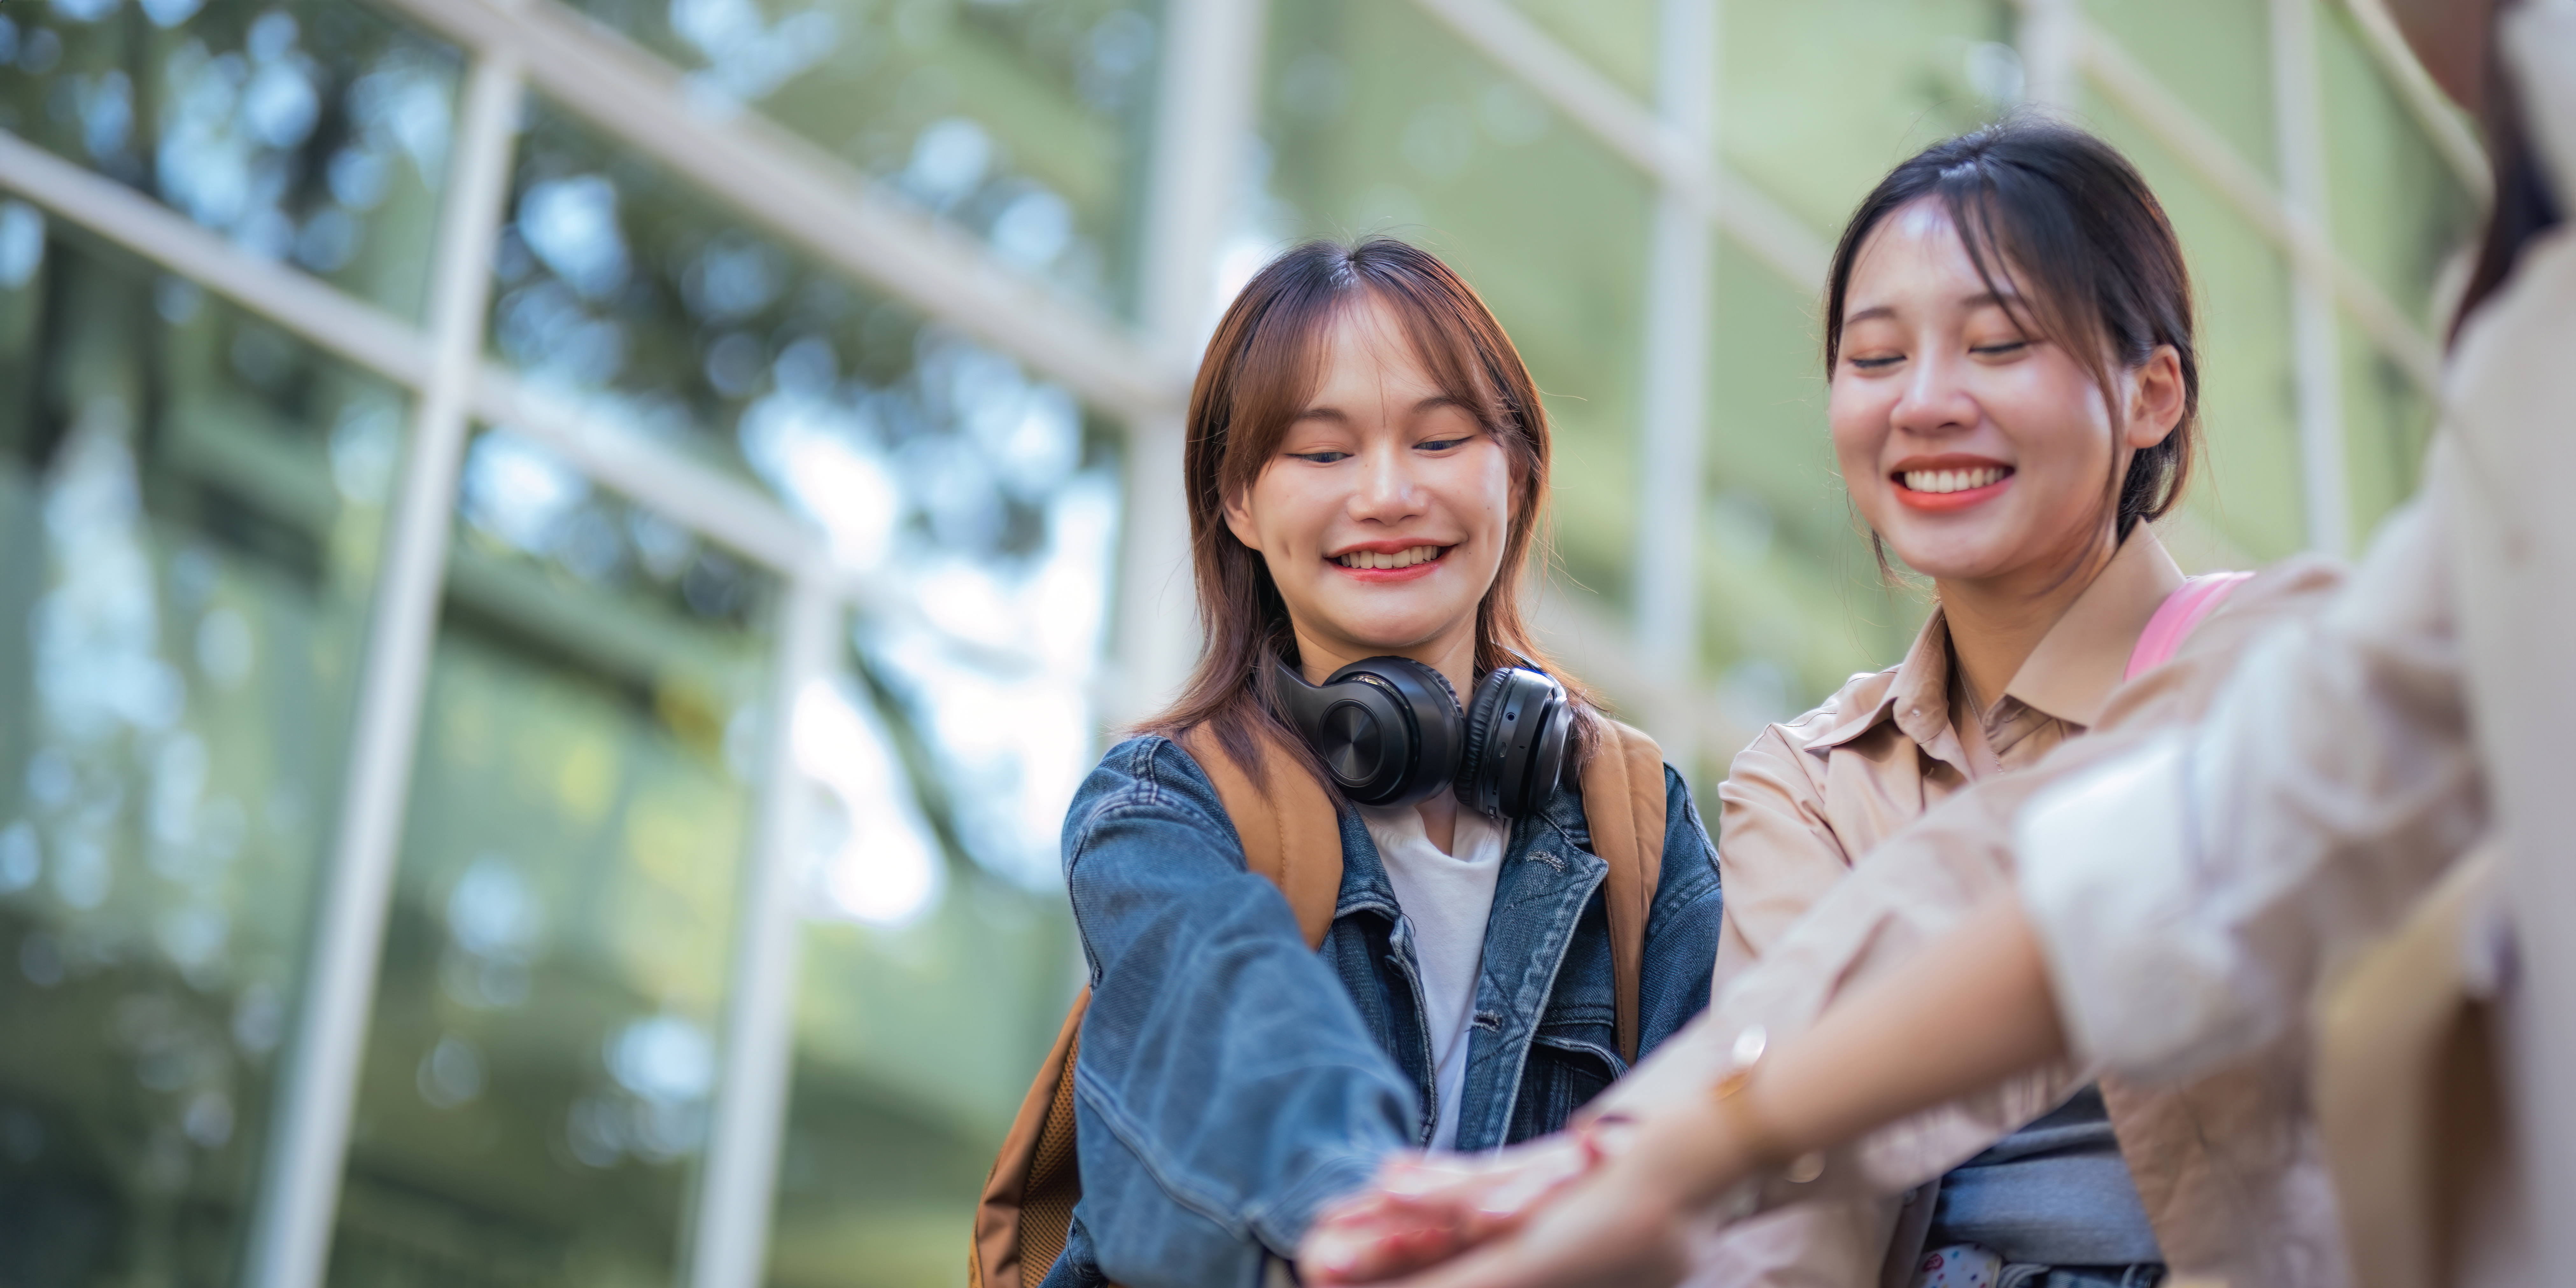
1940 482
1405 558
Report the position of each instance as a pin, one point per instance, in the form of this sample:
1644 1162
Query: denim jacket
1232 1083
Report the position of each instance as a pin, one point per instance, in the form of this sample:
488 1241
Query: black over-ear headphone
1390 730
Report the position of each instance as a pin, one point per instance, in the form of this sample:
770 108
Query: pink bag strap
2175 619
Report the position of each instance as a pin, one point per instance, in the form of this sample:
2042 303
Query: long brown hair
2063 216
1262 365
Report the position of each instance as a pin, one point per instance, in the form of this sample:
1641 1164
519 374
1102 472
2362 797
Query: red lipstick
1948 463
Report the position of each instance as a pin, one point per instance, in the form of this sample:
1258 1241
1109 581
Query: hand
1427 1208
1632 1219
1619 1226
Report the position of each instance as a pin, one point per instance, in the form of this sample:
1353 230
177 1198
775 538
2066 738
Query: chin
1947 560
1390 632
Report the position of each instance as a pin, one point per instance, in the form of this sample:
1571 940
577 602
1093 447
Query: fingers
1604 1231
1427 1208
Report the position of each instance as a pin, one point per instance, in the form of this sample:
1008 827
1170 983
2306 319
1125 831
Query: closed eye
2005 349
1875 364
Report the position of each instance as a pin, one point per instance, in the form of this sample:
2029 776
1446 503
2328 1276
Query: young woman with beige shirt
2010 409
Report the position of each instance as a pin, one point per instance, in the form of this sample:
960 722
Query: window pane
1817 101
543 1047
1383 122
929 989
190 504
634 293
1619 38
1025 123
2399 214
312 132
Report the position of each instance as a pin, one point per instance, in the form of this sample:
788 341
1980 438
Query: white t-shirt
1448 898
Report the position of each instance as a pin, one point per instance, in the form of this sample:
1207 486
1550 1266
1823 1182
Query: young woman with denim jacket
1367 462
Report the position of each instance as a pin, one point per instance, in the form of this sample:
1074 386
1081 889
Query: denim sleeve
1683 925
1226 1088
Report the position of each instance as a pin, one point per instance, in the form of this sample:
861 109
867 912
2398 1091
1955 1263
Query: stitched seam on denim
1144 795
1618 1067
1566 1014
1136 1139
1400 955
1511 1092
1258 1215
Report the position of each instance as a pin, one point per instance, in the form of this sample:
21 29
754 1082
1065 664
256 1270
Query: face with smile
1979 449
1384 514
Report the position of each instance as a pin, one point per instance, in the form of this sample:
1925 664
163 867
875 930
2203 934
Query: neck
1452 653
1996 622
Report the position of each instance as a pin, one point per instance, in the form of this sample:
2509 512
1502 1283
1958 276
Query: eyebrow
1433 403
2005 300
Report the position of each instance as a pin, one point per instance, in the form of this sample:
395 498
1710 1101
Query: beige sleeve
1776 854
2187 897
1840 1244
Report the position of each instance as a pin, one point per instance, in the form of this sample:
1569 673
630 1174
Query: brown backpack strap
1292 836
1623 805
1026 1213
1291 833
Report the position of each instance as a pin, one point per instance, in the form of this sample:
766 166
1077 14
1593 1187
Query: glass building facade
564 557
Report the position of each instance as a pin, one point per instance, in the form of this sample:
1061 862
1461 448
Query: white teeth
1396 559
1937 481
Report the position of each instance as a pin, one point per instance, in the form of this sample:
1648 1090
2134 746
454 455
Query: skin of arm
1977 1009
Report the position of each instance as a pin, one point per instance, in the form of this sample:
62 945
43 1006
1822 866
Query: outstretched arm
1975 1010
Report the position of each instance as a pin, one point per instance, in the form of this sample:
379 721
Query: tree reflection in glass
313 132
190 504
542 1051
1023 123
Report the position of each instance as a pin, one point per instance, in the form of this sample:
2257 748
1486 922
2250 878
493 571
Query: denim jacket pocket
1564 1073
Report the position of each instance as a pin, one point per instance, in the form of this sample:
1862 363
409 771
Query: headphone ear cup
1516 735
1478 787
1404 750
1545 770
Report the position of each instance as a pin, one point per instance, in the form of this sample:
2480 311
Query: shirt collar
1916 694
2069 676
2083 657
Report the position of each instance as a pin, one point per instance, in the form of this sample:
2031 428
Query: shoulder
1862 699
1147 772
2292 585
2297 588
1686 839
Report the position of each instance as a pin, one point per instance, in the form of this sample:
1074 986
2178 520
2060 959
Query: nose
1935 402
1389 489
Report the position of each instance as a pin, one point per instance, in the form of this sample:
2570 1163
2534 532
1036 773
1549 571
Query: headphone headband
1391 731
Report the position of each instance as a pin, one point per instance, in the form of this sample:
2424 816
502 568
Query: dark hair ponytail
2065 220
2524 205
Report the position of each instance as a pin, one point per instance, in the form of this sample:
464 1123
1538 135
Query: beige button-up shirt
1811 798
2225 1164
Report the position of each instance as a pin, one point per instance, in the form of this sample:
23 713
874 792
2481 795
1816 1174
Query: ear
2155 398
1238 519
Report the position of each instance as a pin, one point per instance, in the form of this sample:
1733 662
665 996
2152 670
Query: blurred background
563 558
